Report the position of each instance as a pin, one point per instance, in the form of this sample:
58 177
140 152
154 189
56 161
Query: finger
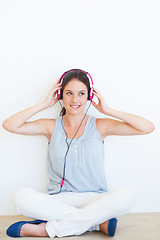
95 89
56 84
94 104
56 99
56 88
59 84
96 94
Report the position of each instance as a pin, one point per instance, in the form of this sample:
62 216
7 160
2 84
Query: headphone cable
69 144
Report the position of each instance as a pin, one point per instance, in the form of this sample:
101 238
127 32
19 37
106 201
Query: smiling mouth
75 106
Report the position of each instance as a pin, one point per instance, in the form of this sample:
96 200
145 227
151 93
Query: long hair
78 74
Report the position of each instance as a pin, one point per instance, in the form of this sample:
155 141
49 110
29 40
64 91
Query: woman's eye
82 93
69 93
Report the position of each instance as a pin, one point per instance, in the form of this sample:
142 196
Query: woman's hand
130 124
101 106
18 123
51 99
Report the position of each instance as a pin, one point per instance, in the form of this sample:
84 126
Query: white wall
118 43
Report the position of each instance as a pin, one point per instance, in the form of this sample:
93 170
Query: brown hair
78 74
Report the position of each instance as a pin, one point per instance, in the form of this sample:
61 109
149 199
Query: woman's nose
74 98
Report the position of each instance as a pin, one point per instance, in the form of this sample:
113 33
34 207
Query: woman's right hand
51 99
18 123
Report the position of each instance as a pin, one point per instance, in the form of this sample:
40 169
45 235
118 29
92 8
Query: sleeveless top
84 170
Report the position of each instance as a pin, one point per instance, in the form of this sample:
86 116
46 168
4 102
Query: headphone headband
90 92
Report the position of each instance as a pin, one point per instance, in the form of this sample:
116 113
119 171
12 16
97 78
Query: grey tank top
84 171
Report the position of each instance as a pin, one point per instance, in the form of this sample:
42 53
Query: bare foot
34 230
104 227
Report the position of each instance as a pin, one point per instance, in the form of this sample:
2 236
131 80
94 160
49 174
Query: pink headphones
90 90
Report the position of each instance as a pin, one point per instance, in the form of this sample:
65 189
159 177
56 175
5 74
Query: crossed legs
71 213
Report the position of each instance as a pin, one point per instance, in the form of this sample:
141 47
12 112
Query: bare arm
18 122
130 124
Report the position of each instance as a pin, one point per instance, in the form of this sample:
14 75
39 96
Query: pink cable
62 181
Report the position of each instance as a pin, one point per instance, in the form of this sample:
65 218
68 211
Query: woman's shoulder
101 124
49 125
47 122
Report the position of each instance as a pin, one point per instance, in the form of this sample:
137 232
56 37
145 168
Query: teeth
75 106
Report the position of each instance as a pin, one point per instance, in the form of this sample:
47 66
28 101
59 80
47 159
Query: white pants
70 213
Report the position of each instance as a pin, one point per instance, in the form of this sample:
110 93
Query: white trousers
71 213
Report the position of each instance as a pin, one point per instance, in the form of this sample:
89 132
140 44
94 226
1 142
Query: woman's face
75 96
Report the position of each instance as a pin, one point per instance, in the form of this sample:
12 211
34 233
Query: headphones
60 96
90 90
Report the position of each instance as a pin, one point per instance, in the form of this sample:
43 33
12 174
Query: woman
78 199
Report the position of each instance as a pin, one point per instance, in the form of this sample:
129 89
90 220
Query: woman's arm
130 124
18 122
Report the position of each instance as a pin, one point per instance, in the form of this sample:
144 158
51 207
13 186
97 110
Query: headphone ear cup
61 94
89 91
90 94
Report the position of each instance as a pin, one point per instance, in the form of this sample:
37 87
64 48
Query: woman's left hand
101 106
